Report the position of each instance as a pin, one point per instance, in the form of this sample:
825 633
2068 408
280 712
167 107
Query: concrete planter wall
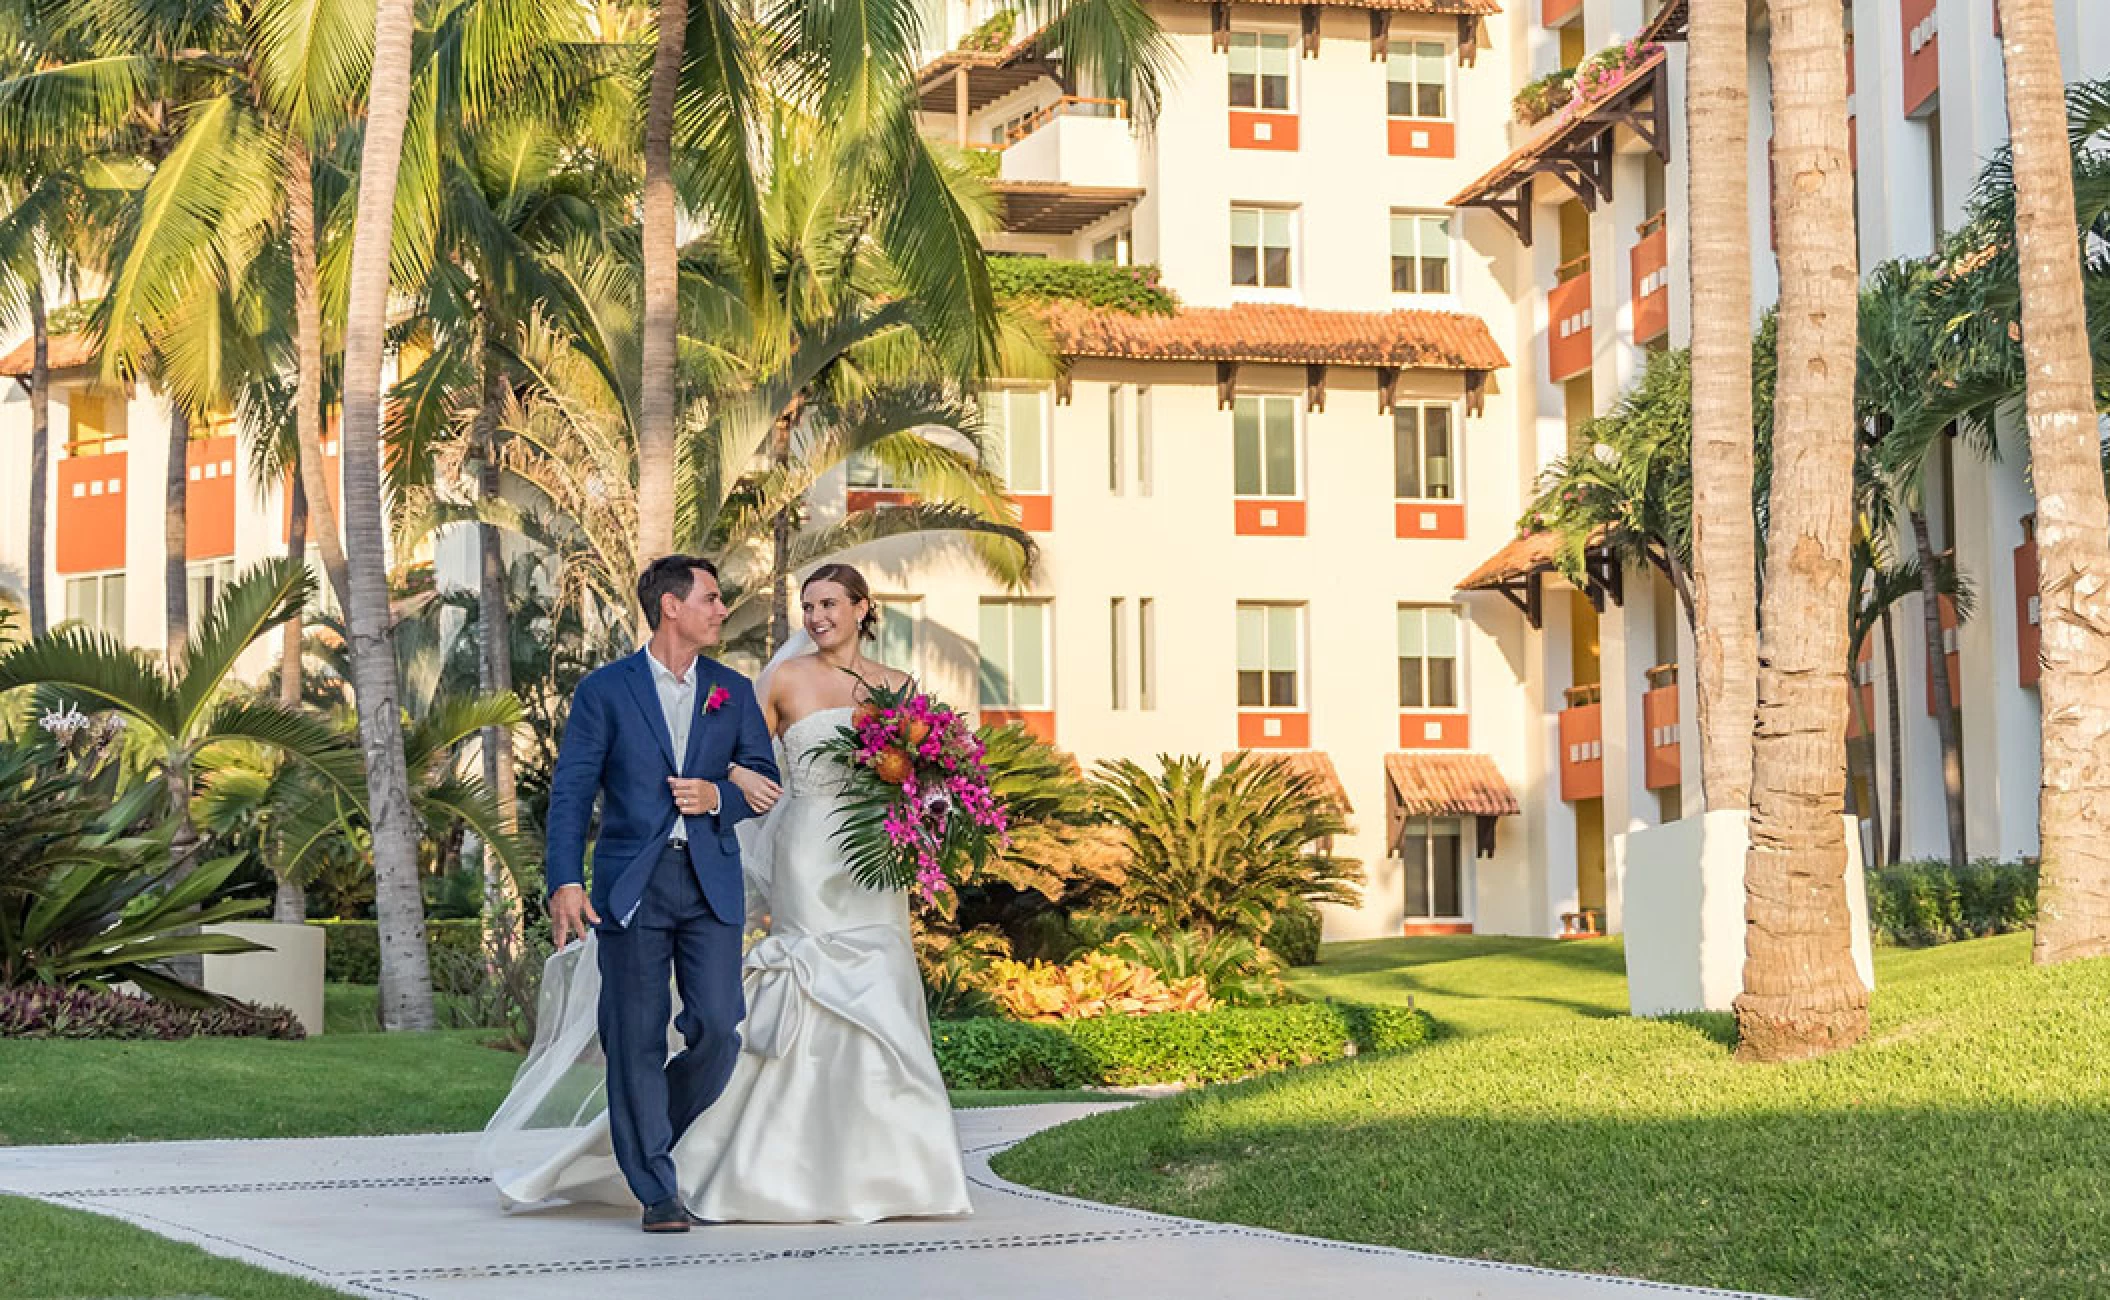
289 975
1683 896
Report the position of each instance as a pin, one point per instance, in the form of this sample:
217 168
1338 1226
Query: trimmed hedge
1917 904
1132 289
352 949
1176 1047
49 1011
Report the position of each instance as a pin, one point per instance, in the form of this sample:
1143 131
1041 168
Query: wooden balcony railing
1067 106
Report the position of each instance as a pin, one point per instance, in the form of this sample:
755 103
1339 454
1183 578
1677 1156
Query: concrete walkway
403 1217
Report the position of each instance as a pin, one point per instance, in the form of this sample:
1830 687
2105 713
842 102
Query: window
208 578
1143 440
1432 849
1146 653
1417 80
867 473
1116 443
1428 657
1114 248
89 431
1270 656
1014 651
1421 252
1260 70
1015 425
1264 452
1261 248
97 601
896 646
1423 468
1118 609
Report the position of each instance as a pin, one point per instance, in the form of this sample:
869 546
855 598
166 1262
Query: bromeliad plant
918 812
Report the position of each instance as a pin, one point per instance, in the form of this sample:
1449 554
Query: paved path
403 1217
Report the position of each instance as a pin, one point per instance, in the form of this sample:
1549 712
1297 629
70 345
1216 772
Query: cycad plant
1221 852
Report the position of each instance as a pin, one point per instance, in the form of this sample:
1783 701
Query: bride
835 1112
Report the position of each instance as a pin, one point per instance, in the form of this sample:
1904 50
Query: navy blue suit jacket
616 748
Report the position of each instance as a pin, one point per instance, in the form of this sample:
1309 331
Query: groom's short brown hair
669 575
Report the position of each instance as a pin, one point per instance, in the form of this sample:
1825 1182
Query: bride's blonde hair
853 582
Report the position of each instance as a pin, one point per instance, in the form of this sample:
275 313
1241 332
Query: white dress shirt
677 701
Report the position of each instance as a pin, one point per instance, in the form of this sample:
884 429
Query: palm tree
1802 996
2073 521
1724 541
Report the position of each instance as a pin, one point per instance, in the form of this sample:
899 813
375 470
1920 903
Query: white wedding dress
835 1112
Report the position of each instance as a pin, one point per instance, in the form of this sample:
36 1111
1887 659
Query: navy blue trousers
674 939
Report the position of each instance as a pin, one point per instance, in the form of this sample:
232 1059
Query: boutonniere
716 699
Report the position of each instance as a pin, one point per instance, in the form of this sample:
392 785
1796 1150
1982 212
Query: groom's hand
570 912
693 795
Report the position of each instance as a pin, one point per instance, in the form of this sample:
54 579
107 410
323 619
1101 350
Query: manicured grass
1958 1152
1475 984
60 1254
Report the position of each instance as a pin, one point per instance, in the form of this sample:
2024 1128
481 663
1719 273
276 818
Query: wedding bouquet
918 812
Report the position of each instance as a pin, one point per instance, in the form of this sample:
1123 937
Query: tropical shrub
953 967
1062 855
1539 97
1105 285
1237 971
994 34
1917 904
352 949
1195 1047
47 1011
495 985
1224 852
1096 984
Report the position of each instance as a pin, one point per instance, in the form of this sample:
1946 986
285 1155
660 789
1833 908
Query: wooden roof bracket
1514 209
1380 35
1226 384
1310 18
1315 386
1586 166
1484 838
1062 385
1532 602
1475 392
1468 38
1387 389
1219 26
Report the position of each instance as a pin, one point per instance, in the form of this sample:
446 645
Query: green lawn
1958 1152
58 1254
1475 984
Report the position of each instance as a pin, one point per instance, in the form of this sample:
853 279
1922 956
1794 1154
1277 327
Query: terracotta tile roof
1561 126
1270 332
1462 8
1525 555
1311 762
67 352
1448 783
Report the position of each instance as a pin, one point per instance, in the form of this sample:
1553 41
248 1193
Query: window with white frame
1421 252
1428 657
1014 655
1118 630
1146 654
1432 851
1014 423
97 601
207 579
1116 436
1262 64
896 643
1424 459
867 473
1143 447
1264 446
1263 247
1418 80
1270 656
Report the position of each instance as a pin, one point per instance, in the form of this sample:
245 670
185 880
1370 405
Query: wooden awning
1669 24
1449 783
64 352
1053 208
1312 763
1574 147
990 74
1518 571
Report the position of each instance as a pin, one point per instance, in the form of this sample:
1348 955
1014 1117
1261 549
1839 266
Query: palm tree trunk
289 906
494 661
1944 690
780 542
1896 849
1866 768
307 395
399 907
290 643
662 254
175 535
1802 996
39 459
2073 520
183 849
1724 540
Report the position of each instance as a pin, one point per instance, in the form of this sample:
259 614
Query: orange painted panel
2028 616
333 474
1659 717
1036 513
1040 722
1259 730
91 513
1568 328
1414 137
1651 266
877 498
208 508
1252 130
1440 520
1552 13
1922 69
1955 663
1582 752
1268 517
1435 731
1432 929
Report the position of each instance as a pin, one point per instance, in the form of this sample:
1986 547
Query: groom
653 736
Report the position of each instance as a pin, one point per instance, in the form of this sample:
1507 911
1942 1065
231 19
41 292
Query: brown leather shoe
667 1216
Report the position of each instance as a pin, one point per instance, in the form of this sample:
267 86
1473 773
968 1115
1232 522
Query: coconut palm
2073 520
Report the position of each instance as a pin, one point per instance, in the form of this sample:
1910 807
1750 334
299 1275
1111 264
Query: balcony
91 512
1662 768
1568 347
1651 267
2028 608
1921 24
208 514
1072 141
1582 745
